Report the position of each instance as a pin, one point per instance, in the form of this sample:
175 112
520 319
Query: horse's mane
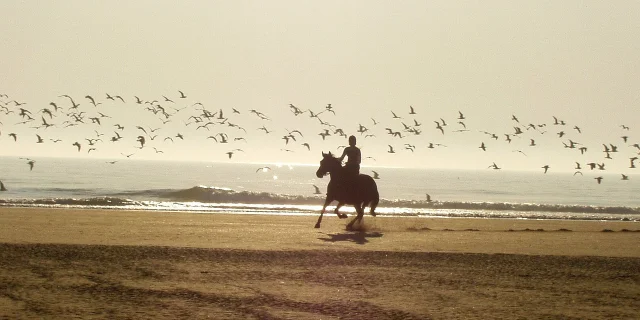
332 156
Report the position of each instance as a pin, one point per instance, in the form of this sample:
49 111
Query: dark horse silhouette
363 193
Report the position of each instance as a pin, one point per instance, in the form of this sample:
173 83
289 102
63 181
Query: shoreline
288 232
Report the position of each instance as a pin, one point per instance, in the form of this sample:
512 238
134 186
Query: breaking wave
204 198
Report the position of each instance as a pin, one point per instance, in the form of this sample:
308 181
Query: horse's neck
336 173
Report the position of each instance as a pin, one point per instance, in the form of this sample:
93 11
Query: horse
363 193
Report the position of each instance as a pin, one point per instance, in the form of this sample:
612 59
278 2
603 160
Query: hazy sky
576 60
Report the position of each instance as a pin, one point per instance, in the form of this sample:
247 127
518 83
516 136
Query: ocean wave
204 197
224 195
506 206
88 202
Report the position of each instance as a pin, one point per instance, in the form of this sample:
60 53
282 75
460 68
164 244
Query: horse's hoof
343 216
373 214
317 226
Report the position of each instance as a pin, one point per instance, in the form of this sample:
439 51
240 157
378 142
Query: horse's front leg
326 203
340 215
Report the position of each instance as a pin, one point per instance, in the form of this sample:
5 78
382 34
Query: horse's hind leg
372 205
358 218
340 215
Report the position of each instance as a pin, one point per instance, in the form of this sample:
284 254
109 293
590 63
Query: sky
491 60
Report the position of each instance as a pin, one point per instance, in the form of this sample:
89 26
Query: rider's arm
344 153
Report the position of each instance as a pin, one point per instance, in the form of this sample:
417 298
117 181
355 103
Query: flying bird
31 163
141 139
375 175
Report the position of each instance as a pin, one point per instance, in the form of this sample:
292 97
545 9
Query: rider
352 167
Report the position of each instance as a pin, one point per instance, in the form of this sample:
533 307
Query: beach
69 263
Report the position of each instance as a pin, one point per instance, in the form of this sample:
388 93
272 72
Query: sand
61 264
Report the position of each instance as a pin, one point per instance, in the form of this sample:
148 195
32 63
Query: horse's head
328 164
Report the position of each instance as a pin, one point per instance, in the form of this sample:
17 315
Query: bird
624 177
77 144
428 197
263 169
391 149
317 190
182 95
546 168
141 139
599 179
93 101
482 146
31 163
375 175
39 139
439 127
2 187
494 166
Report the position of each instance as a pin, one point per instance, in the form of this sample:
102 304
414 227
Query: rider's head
352 141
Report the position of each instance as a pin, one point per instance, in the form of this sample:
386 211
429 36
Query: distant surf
216 199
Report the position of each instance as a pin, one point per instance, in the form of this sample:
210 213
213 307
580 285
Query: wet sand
60 264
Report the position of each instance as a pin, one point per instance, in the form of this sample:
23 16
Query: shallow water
288 189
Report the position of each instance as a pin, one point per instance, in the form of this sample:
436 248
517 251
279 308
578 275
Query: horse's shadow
356 237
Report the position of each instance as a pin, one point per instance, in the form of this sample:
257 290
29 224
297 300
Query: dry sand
61 264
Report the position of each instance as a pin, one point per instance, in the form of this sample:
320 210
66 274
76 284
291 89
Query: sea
288 189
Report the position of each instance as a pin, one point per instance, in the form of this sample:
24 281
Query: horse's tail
374 203
375 197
